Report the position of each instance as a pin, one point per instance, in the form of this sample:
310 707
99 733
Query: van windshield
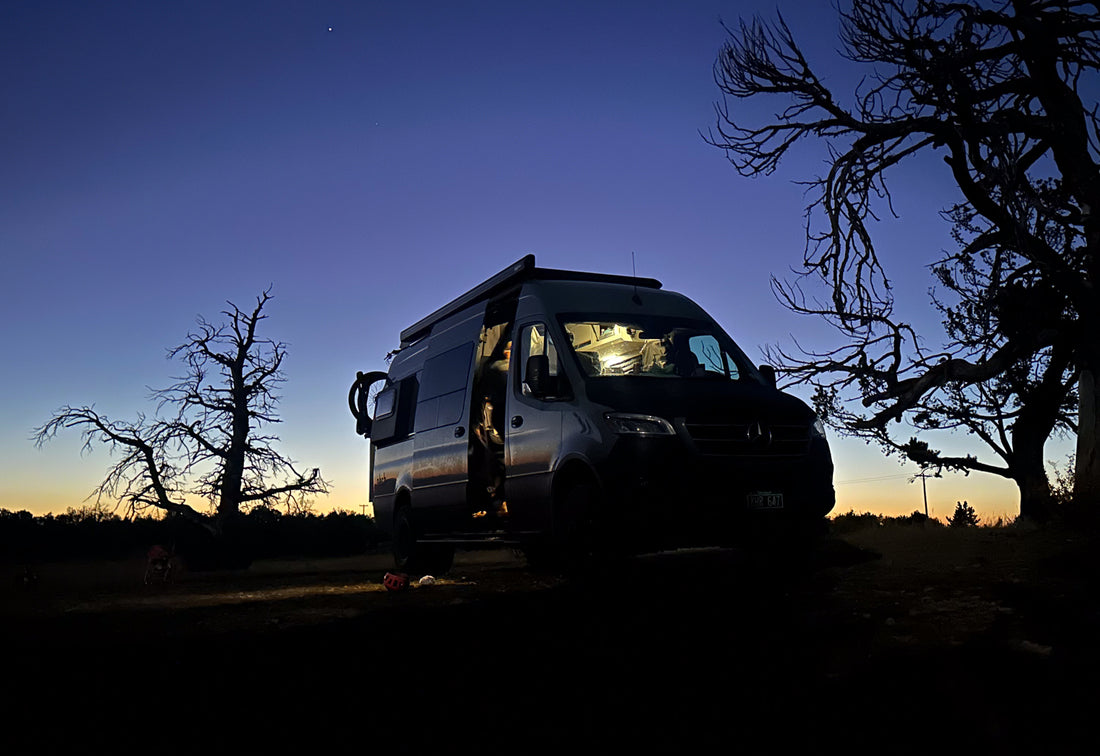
657 347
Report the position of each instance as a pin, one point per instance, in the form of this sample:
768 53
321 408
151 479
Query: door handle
517 421
460 432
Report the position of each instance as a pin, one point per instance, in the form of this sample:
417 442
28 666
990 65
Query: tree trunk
1086 475
229 504
1030 432
1029 472
1036 503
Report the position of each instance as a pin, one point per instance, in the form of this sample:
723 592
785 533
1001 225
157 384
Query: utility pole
923 475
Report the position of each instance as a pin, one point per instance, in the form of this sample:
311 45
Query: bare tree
1012 413
208 438
1001 91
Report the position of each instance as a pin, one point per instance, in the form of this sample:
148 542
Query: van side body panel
391 470
441 429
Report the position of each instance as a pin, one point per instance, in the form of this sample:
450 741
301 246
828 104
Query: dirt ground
894 640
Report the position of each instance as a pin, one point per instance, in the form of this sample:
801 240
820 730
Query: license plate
765 500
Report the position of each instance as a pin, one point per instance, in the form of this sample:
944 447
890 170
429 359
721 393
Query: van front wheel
581 544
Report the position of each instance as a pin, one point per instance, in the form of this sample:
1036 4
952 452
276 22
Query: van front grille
748 439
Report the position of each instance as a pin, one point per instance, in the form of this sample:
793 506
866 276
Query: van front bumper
661 494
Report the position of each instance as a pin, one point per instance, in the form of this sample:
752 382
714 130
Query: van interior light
639 425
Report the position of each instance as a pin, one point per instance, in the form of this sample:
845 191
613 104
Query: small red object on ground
396 581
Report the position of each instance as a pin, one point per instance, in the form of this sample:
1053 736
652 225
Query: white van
576 414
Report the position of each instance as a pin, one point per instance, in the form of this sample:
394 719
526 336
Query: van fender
573 470
402 495
570 467
385 508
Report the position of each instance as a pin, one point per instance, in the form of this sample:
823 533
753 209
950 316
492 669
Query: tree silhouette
1000 90
964 516
208 436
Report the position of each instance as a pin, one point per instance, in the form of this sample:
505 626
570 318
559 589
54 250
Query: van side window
407 390
536 341
393 412
708 353
442 392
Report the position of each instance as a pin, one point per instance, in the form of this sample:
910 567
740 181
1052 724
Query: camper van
576 415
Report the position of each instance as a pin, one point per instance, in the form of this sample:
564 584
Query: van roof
516 273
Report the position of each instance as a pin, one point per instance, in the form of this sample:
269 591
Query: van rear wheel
411 555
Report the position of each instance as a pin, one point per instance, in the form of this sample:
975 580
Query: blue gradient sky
162 158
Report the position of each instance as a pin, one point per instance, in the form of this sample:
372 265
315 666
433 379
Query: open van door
534 427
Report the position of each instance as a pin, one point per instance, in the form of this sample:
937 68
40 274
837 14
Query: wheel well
571 474
402 499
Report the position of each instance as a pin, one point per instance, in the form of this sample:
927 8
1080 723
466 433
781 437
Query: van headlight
638 425
817 430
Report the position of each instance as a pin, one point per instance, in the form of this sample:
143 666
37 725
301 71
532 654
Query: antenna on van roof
634 274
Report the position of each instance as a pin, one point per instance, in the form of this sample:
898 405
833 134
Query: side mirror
769 374
536 375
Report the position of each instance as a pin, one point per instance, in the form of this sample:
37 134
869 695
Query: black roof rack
522 270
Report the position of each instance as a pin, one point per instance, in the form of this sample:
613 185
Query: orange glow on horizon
990 497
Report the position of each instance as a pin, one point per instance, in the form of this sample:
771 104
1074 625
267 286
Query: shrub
916 518
964 516
850 521
261 533
1061 484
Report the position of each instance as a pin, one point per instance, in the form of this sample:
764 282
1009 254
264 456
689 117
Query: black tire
361 397
582 545
540 555
412 556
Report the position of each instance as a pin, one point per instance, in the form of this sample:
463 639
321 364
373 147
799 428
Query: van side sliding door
441 440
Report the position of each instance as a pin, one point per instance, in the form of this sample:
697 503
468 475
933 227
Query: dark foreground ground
983 641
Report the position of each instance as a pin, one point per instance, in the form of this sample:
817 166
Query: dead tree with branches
1001 91
209 437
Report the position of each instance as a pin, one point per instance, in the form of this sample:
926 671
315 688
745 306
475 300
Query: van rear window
383 404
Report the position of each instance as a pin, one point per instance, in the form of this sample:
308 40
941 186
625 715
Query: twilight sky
371 160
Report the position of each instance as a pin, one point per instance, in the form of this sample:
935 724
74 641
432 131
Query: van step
485 538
